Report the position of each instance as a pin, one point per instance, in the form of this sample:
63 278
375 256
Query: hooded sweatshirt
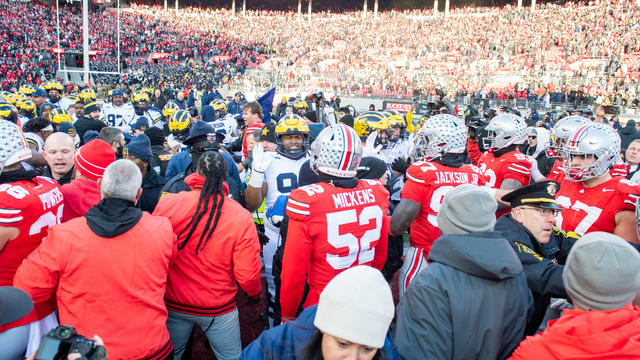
612 334
471 279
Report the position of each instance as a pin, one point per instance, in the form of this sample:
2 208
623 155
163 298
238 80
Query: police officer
541 247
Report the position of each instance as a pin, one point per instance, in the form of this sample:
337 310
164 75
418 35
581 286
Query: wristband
256 179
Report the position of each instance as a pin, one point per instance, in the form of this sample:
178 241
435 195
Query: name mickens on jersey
353 198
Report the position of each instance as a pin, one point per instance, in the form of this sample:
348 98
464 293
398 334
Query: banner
159 55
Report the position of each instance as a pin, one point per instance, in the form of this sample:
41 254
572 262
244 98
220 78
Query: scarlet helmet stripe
577 134
349 150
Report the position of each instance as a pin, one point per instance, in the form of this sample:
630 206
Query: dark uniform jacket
177 184
152 185
471 302
160 159
542 263
63 180
85 123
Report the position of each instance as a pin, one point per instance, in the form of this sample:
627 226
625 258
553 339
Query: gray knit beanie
466 209
602 272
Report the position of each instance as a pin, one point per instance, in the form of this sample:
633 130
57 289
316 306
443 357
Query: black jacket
152 185
542 263
63 180
160 159
628 134
471 302
176 184
84 123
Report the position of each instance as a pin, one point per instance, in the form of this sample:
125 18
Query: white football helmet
337 151
504 130
440 134
599 144
561 131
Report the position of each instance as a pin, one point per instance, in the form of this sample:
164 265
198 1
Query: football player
224 123
397 137
117 113
140 101
503 163
559 135
58 116
68 101
334 224
54 91
26 110
273 176
438 167
29 205
593 199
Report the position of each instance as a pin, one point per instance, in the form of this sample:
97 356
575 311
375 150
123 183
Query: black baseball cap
541 194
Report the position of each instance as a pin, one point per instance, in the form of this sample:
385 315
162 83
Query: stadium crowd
557 48
178 210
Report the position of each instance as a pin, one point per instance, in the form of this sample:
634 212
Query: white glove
369 149
259 165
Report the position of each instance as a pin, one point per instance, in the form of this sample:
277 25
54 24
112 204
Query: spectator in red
218 246
602 277
109 270
252 116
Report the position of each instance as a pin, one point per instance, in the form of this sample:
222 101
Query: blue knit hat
90 135
141 124
91 107
139 147
67 128
45 106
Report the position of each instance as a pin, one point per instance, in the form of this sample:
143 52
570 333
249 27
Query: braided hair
213 167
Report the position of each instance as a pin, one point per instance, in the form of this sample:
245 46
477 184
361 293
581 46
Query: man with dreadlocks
217 246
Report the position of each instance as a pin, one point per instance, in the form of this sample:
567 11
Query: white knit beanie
356 306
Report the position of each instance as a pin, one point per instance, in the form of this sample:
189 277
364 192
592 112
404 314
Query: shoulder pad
300 199
627 186
421 172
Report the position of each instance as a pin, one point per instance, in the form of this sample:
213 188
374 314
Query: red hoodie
204 284
613 334
80 195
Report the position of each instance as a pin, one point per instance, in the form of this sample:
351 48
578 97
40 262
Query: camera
63 340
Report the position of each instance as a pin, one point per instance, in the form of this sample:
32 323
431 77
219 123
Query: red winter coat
111 287
204 284
613 334
79 196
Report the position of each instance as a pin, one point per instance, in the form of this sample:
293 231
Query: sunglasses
532 136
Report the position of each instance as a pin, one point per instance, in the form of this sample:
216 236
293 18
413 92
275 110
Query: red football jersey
331 229
427 183
594 209
558 175
556 172
32 207
512 165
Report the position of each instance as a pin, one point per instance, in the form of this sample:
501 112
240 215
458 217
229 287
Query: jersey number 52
359 249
